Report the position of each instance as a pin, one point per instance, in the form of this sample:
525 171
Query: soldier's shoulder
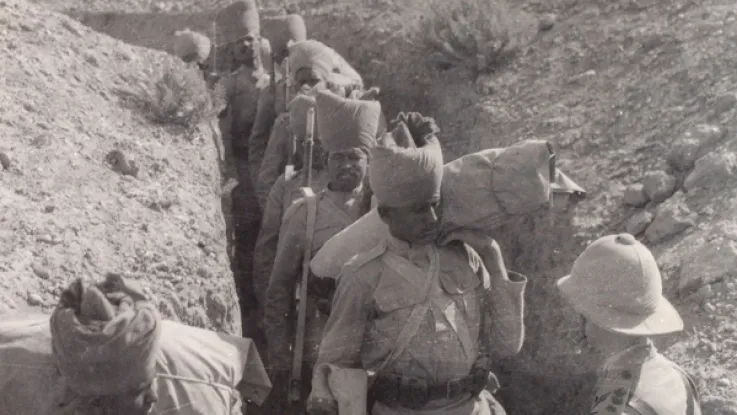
365 261
299 205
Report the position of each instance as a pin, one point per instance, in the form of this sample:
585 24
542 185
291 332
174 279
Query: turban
402 174
321 58
346 123
238 20
191 46
280 30
105 337
298 108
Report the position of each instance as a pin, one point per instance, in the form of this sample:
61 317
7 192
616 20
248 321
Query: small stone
49 208
709 308
693 145
546 22
639 222
40 271
635 196
659 185
704 293
712 172
4 161
672 218
204 273
724 103
724 383
34 299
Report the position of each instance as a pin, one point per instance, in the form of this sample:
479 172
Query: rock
546 22
704 293
672 218
715 405
639 222
712 262
40 271
712 172
724 383
659 185
4 161
724 103
635 196
693 145
34 299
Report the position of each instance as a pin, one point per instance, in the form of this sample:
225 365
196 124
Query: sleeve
275 159
347 324
268 240
258 141
284 276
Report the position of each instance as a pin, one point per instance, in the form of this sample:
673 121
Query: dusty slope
617 86
64 213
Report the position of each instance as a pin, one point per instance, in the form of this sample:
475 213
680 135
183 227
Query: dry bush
180 97
476 34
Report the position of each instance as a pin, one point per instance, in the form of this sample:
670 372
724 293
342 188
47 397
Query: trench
547 377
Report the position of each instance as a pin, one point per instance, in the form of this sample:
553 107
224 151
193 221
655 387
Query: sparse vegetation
180 97
471 33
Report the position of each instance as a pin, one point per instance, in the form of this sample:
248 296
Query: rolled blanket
105 337
191 46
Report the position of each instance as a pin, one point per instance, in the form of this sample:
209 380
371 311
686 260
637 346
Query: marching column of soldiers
412 326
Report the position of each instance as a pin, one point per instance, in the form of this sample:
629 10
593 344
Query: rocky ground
639 97
90 186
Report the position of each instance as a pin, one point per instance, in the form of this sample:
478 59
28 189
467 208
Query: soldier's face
306 76
347 169
244 51
417 224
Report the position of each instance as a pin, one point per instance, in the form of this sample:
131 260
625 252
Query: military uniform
275 157
376 296
333 216
641 381
282 195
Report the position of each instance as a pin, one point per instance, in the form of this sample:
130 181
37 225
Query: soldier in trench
347 129
414 311
616 286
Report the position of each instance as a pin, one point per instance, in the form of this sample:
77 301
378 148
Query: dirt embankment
90 186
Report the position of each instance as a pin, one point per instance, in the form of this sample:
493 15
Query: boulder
693 144
671 218
639 222
710 263
712 172
635 195
659 185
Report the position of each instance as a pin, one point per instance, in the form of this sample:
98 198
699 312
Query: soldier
310 62
284 192
615 285
348 128
416 312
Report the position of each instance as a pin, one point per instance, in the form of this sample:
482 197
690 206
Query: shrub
472 33
180 97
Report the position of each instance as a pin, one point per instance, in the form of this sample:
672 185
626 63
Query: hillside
639 97
65 212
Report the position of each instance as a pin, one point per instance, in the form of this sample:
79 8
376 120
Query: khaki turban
105 338
321 58
280 30
346 123
238 20
402 174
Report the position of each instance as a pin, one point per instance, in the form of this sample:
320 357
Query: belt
414 393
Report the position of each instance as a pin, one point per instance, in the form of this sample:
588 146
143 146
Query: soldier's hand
422 128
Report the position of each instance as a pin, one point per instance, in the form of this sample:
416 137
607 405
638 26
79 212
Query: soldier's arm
275 158
268 240
284 276
345 329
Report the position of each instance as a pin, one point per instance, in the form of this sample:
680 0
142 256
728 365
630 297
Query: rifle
301 292
289 169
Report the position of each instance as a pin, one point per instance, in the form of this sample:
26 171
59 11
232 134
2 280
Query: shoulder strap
637 406
415 319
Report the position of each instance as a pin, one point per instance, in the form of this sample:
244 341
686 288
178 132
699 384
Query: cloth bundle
322 58
191 46
480 191
347 123
105 337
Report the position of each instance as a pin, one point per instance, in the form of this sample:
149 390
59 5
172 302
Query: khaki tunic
643 373
275 157
374 299
282 195
332 217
